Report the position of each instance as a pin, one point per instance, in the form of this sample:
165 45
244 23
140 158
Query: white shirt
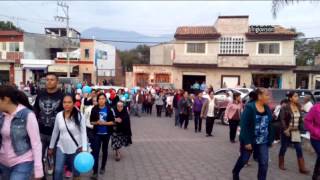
65 142
307 106
210 112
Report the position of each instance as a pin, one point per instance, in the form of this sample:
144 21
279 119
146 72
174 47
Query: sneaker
67 174
102 171
50 172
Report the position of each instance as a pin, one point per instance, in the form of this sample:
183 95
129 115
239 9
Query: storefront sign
262 29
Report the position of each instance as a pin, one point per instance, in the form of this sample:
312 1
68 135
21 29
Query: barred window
231 45
196 47
269 48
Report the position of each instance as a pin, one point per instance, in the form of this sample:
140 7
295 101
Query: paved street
161 151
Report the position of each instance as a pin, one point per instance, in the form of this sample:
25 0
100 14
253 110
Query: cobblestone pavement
161 151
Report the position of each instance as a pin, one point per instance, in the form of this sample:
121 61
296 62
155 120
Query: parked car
316 94
222 101
276 95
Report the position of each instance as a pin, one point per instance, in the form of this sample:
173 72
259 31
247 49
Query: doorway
189 80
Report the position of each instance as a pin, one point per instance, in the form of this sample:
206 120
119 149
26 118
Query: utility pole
65 9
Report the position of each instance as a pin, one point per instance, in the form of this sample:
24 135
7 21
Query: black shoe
209 135
235 177
94 176
102 171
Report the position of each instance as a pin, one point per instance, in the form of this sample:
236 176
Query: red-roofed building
229 53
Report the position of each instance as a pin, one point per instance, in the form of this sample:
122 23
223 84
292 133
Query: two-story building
93 62
11 52
229 53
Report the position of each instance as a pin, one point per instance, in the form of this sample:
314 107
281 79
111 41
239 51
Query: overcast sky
159 17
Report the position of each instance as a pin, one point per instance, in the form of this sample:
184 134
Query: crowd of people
260 127
44 139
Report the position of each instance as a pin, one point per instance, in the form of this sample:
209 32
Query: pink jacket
312 122
7 155
231 109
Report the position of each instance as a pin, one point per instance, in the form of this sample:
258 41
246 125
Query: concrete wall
209 57
213 76
286 56
161 54
232 26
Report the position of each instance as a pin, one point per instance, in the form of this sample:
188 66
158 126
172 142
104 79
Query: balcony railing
16 56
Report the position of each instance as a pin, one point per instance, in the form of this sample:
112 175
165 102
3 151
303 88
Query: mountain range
120 38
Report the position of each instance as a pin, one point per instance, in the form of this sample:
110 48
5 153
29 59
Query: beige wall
286 56
213 76
161 54
232 26
209 57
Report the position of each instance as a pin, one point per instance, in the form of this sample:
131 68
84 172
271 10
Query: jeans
233 126
263 159
137 109
98 141
209 125
184 119
61 159
285 141
197 122
316 146
21 171
149 108
176 117
45 141
159 110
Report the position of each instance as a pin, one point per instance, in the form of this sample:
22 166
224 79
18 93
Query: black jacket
286 119
123 128
95 117
46 106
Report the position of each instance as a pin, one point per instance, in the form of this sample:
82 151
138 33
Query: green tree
139 55
8 25
278 4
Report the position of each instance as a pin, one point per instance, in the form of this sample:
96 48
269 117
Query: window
269 48
231 45
86 53
3 46
14 47
196 48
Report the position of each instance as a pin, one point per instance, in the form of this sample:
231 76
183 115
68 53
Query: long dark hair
255 94
290 94
75 113
15 95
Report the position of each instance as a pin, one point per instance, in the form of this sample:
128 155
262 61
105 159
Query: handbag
72 137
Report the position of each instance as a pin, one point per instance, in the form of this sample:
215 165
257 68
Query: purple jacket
197 104
312 122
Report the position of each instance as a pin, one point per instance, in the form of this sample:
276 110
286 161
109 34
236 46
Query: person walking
197 106
69 136
47 105
184 106
20 144
122 130
176 100
232 113
169 102
102 117
256 134
291 123
312 124
207 112
159 103
138 100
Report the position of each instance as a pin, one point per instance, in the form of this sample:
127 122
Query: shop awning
63 68
35 66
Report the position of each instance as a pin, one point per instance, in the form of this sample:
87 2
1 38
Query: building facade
93 62
229 53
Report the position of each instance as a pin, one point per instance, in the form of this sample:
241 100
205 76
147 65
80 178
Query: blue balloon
79 86
86 89
126 95
84 162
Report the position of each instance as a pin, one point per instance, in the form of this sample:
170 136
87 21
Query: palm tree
277 4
